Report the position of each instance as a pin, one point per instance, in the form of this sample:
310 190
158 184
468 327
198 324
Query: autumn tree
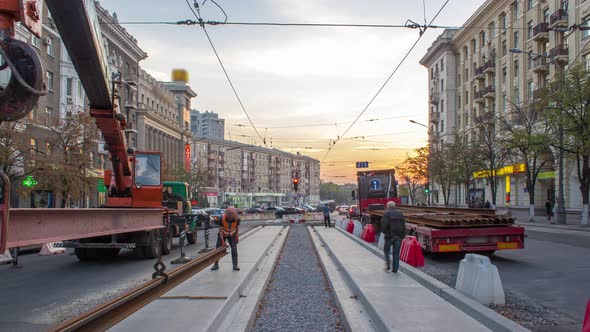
414 171
466 157
197 178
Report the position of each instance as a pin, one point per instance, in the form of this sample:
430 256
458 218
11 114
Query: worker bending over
229 230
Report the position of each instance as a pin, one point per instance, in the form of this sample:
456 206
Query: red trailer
439 229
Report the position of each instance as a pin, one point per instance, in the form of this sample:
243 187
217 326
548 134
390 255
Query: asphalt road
51 289
550 275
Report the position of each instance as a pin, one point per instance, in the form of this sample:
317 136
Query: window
35 41
442 106
546 15
442 85
80 89
49 42
466 97
442 64
529 62
515 39
530 89
503 22
442 126
516 95
516 68
482 38
473 45
49 116
529 30
504 48
504 75
586 61
49 81
431 73
504 102
69 87
515 11
585 24
492 29
466 74
529 5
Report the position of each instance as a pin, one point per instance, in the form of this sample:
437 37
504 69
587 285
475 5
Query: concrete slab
398 301
208 294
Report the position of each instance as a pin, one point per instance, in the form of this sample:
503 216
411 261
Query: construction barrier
314 216
586 326
381 242
51 248
411 252
368 233
479 279
358 229
350 226
343 223
6 257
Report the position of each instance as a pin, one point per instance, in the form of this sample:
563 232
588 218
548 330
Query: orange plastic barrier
586 326
350 226
411 252
368 233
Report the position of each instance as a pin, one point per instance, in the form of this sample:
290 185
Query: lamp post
427 172
561 213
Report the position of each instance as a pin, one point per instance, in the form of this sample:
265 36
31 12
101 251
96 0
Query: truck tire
167 242
154 244
191 237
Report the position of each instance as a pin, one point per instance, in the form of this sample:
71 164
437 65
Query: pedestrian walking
229 231
393 226
326 211
549 210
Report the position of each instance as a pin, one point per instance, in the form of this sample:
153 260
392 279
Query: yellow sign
448 247
180 75
506 170
507 245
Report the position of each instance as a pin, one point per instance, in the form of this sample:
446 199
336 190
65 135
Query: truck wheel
167 243
191 237
152 250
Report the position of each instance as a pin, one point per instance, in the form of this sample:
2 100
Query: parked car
343 209
289 210
254 210
353 211
215 214
273 209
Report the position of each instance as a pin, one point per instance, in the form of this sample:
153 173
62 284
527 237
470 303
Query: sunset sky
303 86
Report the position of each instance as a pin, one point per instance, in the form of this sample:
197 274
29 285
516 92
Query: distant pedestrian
549 210
229 231
488 205
393 226
326 211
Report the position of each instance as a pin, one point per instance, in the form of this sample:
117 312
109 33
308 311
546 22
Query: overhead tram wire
323 124
198 16
389 78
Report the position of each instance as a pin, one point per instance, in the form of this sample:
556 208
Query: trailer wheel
167 243
191 237
154 247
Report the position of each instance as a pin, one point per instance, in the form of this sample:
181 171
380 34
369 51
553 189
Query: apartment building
207 124
247 175
505 52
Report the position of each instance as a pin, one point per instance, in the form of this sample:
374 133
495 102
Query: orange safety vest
228 228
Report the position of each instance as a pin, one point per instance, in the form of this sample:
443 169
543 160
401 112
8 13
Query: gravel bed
519 308
298 296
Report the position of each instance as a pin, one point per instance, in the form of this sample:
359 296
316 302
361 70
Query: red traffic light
296 180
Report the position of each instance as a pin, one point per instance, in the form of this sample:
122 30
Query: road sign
362 164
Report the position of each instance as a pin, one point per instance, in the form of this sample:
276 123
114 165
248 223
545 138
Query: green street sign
29 181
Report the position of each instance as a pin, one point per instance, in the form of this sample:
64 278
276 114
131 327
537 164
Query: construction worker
229 230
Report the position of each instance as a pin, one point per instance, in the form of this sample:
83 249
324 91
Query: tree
466 157
569 94
494 153
67 157
442 168
16 149
197 178
414 172
528 133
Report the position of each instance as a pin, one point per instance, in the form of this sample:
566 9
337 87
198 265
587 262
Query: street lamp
427 173
561 213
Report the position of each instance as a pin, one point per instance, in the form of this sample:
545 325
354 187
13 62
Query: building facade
502 56
247 175
207 124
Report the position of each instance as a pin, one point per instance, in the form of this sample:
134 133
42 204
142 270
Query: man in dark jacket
326 211
393 227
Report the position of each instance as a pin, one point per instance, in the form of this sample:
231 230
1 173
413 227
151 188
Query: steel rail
109 314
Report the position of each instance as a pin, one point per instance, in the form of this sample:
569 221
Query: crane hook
26 85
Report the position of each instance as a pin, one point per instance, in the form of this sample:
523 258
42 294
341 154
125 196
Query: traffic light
295 184
427 188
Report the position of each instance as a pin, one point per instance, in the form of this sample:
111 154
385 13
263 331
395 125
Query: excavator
133 215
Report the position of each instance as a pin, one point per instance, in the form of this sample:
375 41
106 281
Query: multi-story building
505 52
207 125
247 175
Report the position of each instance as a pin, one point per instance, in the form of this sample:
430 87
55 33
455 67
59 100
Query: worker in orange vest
229 230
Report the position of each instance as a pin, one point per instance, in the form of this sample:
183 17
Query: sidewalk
573 221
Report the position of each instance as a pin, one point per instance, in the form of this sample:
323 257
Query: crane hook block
16 99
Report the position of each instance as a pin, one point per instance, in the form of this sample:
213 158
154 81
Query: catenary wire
322 124
388 79
227 74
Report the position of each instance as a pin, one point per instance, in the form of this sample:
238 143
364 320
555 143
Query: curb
484 315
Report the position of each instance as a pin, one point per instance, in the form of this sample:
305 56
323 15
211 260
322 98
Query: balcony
558 19
434 117
479 96
540 65
559 53
490 66
489 91
541 32
479 73
434 97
